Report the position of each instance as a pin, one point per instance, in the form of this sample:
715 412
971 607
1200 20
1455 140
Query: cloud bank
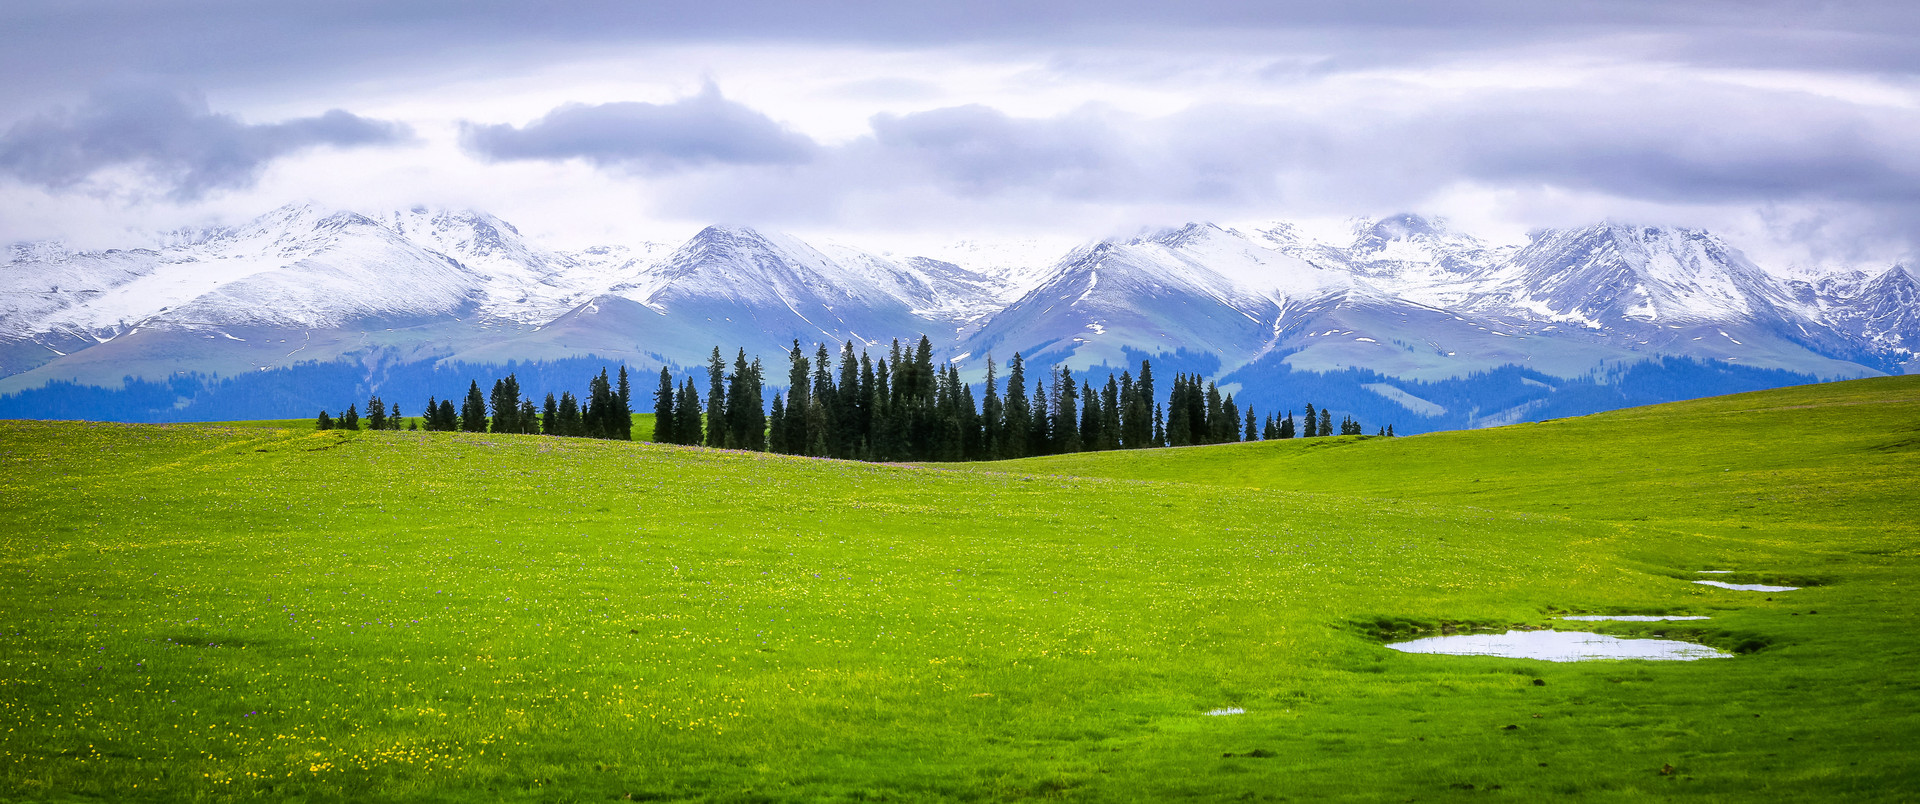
173 139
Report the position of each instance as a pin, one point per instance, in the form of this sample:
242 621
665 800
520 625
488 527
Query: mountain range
1420 323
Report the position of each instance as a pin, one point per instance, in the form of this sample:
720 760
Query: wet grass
216 613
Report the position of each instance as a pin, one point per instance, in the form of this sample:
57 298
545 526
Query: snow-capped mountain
1403 297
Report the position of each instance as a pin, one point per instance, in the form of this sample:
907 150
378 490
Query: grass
213 613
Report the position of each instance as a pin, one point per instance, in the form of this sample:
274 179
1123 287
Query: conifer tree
664 430
686 416
1287 429
1159 427
1092 423
777 425
376 413
992 417
473 414
716 400
1110 415
1228 430
623 408
1390 431
1179 430
325 422
428 419
1326 422
1213 431
349 420
1310 423
596 417
449 421
550 416
1018 422
528 419
798 374
393 416
1040 425
1253 426
571 425
1066 418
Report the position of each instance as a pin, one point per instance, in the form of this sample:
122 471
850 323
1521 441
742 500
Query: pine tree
550 416
376 413
1018 422
1092 423
623 408
686 416
1390 431
1179 430
820 426
664 428
449 420
798 373
325 422
1110 415
1326 422
570 425
1311 422
473 414
1228 430
1040 425
528 418
349 420
1066 417
992 417
1159 427
1253 426
1286 427
393 416
777 425
716 400
428 418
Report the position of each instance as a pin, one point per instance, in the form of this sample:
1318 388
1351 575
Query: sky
1792 128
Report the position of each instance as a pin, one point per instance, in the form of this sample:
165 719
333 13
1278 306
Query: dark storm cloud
173 137
61 45
706 129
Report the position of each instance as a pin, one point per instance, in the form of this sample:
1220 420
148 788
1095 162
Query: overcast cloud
181 146
1792 122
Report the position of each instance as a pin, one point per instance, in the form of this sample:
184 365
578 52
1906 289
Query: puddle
1630 618
1231 710
1748 587
1559 646
1715 572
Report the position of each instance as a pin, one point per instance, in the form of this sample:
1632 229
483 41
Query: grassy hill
207 612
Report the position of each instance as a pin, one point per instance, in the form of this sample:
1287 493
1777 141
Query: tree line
900 406
607 412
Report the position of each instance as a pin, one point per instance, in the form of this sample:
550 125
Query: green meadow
215 613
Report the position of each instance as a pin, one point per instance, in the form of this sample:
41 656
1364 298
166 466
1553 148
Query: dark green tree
473 414
325 422
376 413
1017 424
664 429
550 416
349 420
622 408
1326 422
1310 423
716 400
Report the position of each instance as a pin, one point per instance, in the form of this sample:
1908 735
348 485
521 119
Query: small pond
1629 618
1559 646
1748 587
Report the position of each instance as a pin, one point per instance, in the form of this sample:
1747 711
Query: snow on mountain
1197 287
1618 275
1405 296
